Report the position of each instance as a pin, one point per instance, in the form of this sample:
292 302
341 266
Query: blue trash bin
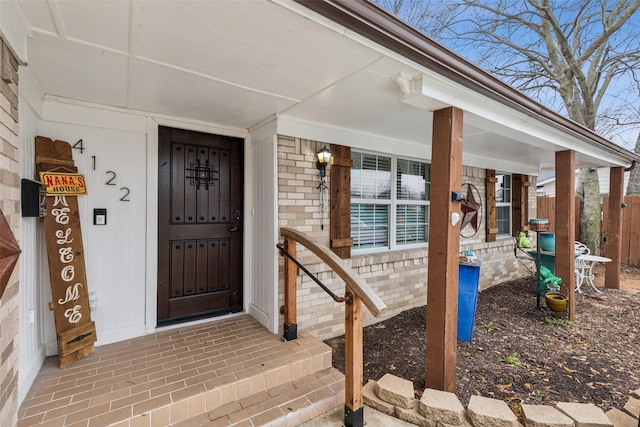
468 278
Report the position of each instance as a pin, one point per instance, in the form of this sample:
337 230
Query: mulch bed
518 355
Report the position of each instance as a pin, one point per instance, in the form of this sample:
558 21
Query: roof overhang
340 72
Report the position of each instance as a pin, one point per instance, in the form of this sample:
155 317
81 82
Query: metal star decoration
470 208
9 253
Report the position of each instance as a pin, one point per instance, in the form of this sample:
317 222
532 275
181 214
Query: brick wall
10 205
398 277
498 261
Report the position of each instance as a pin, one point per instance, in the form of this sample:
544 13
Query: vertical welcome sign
75 330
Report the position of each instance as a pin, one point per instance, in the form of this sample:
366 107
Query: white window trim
393 203
509 203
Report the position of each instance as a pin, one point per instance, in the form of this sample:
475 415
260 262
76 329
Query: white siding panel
31 341
604 175
264 234
115 252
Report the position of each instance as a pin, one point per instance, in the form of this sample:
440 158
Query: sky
428 15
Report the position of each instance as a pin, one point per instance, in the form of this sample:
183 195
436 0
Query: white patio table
587 273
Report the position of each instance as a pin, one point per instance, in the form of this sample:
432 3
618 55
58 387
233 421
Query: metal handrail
370 299
347 298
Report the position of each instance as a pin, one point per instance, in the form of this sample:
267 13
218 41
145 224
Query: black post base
290 332
353 418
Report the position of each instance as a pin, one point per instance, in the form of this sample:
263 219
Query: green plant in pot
555 300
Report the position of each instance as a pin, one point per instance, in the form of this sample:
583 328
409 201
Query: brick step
289 404
171 376
299 358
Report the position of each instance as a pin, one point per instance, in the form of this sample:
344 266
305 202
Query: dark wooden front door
200 211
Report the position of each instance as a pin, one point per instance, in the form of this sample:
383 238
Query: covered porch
275 75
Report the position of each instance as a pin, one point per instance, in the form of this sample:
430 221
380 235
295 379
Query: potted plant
556 301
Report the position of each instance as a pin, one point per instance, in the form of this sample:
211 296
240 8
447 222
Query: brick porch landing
226 372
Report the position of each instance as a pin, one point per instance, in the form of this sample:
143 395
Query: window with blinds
411 224
385 214
370 177
503 204
369 226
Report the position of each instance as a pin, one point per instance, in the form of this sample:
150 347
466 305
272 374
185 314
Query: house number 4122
111 175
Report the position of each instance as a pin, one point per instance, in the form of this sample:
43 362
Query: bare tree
570 55
432 17
633 186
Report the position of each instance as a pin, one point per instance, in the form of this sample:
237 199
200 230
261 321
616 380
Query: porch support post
290 310
614 228
353 362
444 245
565 225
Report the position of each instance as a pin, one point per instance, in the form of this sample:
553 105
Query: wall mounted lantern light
324 157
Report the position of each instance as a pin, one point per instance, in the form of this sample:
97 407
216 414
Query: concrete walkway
372 418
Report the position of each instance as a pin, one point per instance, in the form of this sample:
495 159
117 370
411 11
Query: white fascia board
14 28
508 121
348 137
498 117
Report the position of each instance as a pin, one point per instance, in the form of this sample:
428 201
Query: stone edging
394 396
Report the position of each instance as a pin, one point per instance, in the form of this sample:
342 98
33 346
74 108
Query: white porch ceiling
237 63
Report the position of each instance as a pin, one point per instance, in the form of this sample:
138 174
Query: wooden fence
630 230
630 225
547 209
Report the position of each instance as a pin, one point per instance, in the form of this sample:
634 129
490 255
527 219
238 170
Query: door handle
234 229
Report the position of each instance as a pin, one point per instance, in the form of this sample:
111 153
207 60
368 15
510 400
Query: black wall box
30 198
